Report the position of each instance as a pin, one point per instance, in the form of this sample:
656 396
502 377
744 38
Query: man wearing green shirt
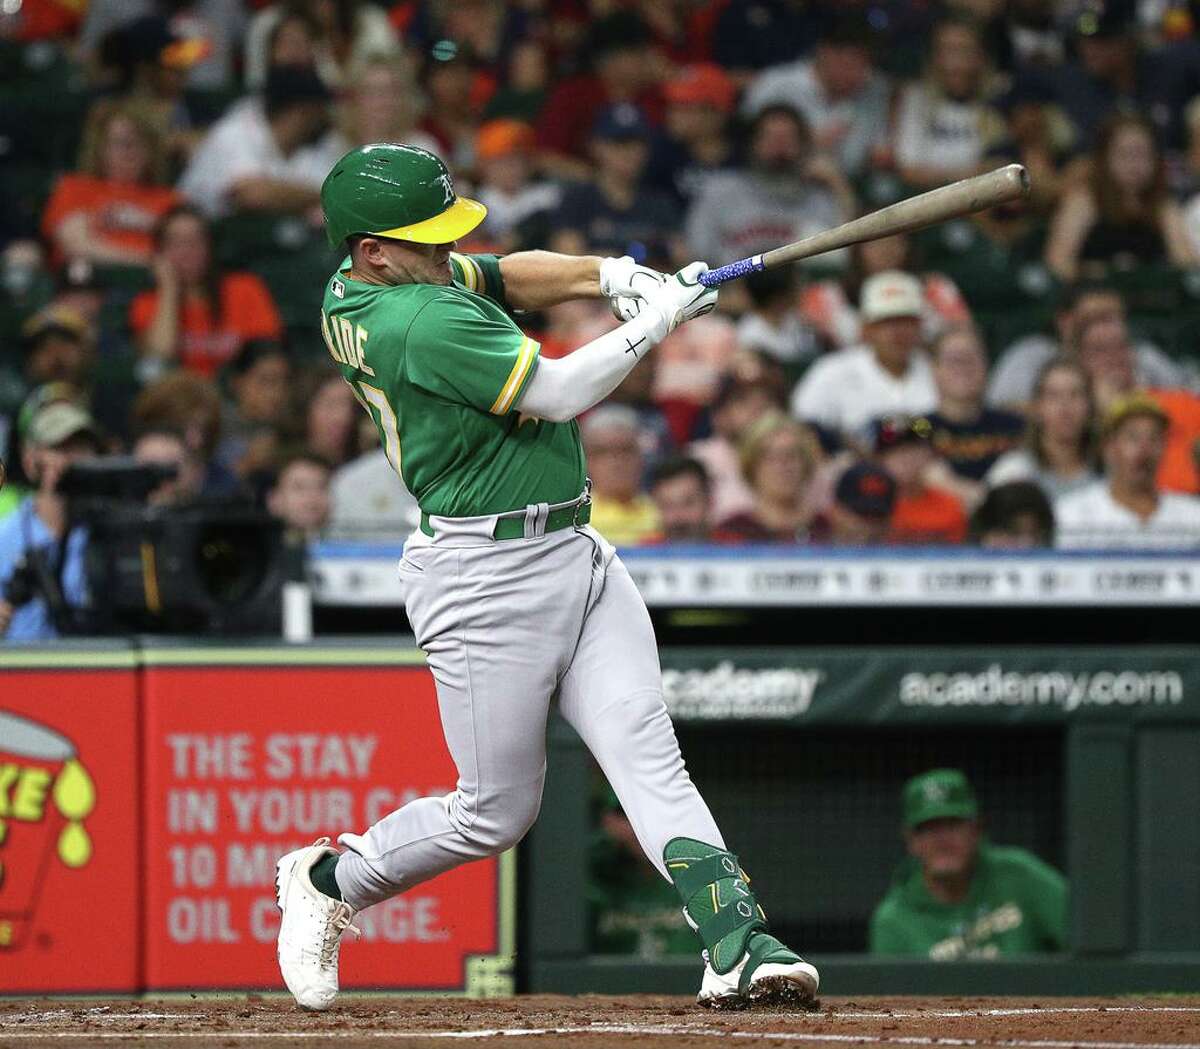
516 601
957 895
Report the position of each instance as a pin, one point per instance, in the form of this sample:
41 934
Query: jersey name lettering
449 366
346 342
334 350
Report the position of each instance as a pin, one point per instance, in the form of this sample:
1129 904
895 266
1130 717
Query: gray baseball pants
507 626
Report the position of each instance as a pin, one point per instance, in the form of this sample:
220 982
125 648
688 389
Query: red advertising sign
69 845
246 762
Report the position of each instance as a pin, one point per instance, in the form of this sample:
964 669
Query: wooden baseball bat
937 205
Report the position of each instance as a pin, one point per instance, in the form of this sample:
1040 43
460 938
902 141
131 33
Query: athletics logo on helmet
396 191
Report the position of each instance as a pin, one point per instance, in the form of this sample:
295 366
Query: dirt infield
591 1022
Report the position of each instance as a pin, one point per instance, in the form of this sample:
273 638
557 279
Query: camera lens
232 560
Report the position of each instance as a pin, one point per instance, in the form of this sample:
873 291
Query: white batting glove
624 283
681 298
626 307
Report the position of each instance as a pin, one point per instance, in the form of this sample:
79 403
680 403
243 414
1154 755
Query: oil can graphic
45 796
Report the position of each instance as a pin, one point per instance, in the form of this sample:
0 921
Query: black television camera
195 568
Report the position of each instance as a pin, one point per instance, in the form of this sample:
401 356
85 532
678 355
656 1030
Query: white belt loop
536 516
461 531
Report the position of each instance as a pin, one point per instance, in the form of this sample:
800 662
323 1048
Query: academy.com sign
730 692
878 685
1069 691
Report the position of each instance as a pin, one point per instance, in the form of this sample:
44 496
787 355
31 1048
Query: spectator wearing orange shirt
1107 355
197 315
106 212
922 514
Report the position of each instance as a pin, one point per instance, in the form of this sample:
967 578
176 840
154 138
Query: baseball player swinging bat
516 600
926 209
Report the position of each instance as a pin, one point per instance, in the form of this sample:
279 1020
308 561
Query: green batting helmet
401 192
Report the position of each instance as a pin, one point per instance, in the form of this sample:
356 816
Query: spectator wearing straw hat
1126 509
1105 351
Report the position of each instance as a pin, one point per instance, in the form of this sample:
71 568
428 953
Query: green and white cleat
768 974
743 963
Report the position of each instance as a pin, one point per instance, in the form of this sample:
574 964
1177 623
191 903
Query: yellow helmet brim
456 221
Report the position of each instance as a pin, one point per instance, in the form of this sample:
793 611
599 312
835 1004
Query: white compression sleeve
562 389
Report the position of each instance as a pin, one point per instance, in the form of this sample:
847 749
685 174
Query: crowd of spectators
1024 378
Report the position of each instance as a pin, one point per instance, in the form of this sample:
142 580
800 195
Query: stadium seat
27 187
290 255
1177 335
1150 289
981 268
128 280
16 306
39 67
207 106
878 189
244 239
44 98
304 342
121 284
296 280
1001 328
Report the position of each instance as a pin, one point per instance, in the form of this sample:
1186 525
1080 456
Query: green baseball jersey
633 911
1016 905
440 369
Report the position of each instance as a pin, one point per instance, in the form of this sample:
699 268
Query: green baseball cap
937 795
396 191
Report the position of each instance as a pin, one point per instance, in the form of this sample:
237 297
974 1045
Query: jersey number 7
376 404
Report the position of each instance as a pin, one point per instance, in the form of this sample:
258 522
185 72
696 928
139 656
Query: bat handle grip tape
741 268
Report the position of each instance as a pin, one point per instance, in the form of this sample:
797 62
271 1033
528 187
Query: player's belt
517 523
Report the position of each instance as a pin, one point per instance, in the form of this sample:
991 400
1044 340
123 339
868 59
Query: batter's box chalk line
18 1029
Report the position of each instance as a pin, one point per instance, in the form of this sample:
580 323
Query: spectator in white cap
887 375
